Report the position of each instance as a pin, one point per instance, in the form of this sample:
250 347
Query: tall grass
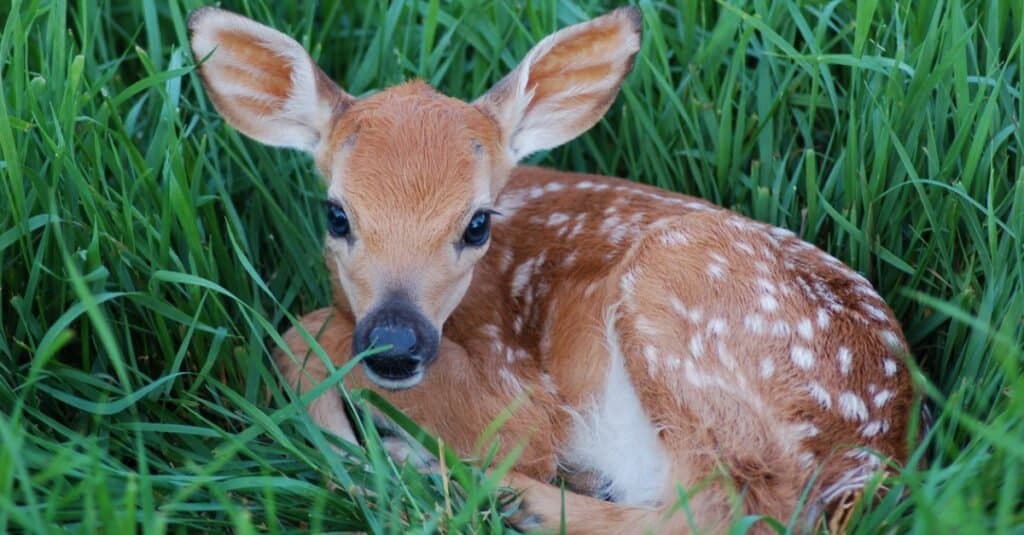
150 255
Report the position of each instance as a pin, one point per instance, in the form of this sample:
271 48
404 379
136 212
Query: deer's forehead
414 121
417 152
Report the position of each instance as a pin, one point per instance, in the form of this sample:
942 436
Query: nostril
401 339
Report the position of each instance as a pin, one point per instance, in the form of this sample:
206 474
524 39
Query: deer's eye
478 230
337 221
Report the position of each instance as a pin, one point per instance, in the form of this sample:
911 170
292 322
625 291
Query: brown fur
758 359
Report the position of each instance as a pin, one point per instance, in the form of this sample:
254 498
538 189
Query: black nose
399 361
401 339
408 339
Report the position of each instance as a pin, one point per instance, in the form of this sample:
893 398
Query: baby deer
650 341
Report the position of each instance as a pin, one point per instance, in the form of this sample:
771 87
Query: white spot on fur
584 184
890 367
504 259
693 315
557 219
651 356
806 430
766 285
871 428
694 377
618 234
614 437
823 292
554 186
781 233
802 357
716 326
820 395
852 407
805 329
845 359
716 270
874 312
521 277
513 355
822 318
697 346
628 282
755 323
767 367
674 238
577 227
490 330
891 339
800 245
850 481
769 303
570 259
867 456
780 329
548 383
725 357
807 460
882 398
609 224
536 192
509 381
744 247
738 223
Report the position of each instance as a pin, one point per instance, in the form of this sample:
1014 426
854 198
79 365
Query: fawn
653 341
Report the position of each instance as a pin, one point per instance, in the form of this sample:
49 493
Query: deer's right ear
262 81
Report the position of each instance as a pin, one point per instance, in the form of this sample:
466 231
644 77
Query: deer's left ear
565 84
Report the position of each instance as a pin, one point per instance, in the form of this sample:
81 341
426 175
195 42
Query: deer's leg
542 510
303 369
545 506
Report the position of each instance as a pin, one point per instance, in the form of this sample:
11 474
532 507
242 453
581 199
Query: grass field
149 254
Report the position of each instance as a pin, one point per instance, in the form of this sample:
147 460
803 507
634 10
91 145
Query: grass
149 254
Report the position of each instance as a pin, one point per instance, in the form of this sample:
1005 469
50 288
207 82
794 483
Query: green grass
149 254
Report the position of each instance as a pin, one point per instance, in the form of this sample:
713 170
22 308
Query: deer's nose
408 340
402 340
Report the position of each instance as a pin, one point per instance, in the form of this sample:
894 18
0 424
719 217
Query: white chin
392 384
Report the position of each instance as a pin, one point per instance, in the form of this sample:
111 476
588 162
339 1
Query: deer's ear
262 81
565 84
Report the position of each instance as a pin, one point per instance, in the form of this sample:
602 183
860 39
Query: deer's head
412 175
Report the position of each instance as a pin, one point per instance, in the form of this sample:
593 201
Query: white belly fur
614 437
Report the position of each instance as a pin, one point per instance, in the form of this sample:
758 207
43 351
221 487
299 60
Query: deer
639 342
